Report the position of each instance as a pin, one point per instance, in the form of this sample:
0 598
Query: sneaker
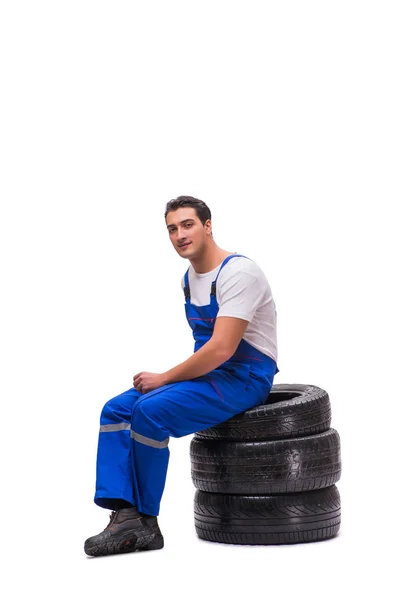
127 531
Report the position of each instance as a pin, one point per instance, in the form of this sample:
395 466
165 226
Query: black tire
286 519
291 410
269 467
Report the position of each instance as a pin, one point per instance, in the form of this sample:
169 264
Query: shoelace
113 514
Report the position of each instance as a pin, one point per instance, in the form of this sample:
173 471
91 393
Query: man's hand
147 382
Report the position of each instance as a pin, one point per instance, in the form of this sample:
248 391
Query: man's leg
128 530
114 486
180 409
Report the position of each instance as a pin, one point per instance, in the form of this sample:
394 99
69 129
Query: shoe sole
127 543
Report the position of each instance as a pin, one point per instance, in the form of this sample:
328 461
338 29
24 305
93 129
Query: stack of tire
267 475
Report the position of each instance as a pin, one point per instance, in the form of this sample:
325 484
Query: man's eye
188 224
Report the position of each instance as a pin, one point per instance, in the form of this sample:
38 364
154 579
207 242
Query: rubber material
268 467
124 544
290 410
285 519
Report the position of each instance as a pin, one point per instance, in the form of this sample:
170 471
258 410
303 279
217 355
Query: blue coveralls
133 454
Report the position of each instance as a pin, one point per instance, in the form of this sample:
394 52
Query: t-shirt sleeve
240 292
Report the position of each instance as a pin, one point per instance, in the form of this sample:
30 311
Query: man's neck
210 259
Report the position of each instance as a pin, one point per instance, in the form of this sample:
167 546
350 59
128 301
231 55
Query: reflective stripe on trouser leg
114 464
150 458
145 451
148 441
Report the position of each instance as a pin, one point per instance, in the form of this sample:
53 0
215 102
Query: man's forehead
181 214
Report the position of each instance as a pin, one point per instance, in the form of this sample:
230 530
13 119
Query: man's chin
188 255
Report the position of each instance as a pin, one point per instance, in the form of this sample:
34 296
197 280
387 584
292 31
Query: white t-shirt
242 292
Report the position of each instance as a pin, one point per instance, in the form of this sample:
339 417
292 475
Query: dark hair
201 208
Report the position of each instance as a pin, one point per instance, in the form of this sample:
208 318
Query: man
230 309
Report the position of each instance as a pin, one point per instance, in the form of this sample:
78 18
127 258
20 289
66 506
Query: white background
284 118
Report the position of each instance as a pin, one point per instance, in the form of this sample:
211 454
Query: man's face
187 233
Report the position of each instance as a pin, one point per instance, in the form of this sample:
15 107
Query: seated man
231 311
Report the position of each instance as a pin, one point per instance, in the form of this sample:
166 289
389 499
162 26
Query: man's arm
228 331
